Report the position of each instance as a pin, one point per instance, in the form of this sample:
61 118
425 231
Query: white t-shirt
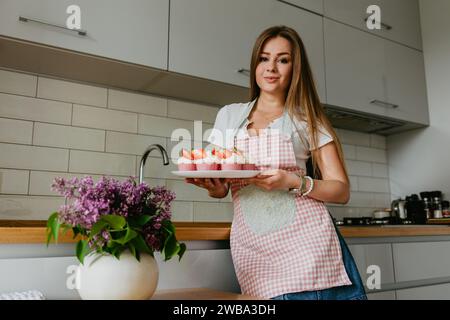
234 116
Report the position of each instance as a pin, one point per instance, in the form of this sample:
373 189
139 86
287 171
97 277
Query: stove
370 221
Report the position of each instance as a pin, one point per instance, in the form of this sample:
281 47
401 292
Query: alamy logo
374 280
73 281
73 21
374 20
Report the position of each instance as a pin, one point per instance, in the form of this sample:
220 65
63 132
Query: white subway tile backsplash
163 127
127 143
102 163
213 212
380 170
41 181
25 108
382 200
18 83
14 181
14 156
71 92
191 111
349 151
359 168
92 117
154 168
74 128
182 211
377 141
373 184
28 207
353 183
354 138
139 103
371 154
361 199
189 192
16 131
53 135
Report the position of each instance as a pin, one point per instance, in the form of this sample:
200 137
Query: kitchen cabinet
134 32
400 18
313 5
213 39
436 292
421 260
373 75
380 255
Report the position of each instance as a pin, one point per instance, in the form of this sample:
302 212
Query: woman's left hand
275 179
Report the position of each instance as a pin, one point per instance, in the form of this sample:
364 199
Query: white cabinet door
436 292
313 5
421 260
373 75
369 255
405 83
213 39
133 31
400 19
354 62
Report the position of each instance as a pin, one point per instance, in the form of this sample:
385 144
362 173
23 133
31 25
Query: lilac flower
87 202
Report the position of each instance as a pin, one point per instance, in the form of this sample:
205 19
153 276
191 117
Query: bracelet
311 186
300 188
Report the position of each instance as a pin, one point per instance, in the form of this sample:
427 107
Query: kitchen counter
27 231
199 294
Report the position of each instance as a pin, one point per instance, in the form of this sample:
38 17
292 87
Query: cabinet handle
79 31
384 25
384 104
244 71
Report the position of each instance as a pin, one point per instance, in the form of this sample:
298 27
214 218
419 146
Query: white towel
26 295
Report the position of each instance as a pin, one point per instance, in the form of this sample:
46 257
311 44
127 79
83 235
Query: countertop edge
17 232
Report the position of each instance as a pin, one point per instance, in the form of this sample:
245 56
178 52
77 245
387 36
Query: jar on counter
437 208
446 209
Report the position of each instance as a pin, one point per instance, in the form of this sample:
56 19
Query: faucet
145 155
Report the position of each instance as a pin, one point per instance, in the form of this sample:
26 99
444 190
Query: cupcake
186 161
232 160
206 160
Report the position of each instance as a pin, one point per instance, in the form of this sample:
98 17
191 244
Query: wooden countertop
199 294
32 231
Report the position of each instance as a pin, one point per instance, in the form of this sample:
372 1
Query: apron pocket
266 211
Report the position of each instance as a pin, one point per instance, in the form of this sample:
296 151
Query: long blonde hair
302 100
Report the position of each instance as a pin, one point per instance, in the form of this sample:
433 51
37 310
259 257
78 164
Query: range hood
35 58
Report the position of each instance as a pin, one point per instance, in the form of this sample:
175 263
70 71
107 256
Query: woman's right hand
217 187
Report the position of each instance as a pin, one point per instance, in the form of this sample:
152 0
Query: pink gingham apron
280 242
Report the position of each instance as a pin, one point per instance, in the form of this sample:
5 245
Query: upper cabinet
400 19
134 31
213 39
373 75
313 5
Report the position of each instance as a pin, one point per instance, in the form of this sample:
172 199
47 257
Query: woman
283 241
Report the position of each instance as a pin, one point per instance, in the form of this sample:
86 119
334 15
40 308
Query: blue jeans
355 291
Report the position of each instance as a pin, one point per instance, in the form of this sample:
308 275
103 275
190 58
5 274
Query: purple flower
87 202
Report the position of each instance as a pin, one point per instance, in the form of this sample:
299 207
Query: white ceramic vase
104 277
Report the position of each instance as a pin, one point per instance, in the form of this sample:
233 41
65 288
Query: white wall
419 160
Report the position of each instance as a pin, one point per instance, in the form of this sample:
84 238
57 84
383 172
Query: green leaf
97 228
131 234
53 226
133 251
117 251
139 221
171 247
141 245
182 250
116 222
82 250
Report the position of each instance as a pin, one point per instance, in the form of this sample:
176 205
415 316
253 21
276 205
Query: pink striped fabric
303 255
